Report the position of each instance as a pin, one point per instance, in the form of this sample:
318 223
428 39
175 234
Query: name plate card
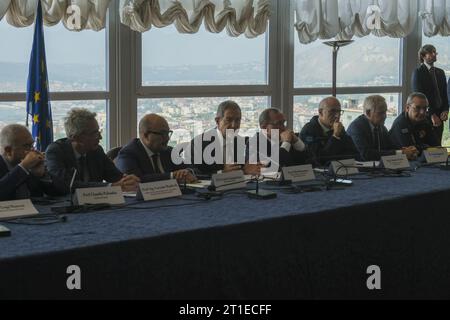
299 173
159 190
229 181
17 209
436 155
109 195
344 168
397 162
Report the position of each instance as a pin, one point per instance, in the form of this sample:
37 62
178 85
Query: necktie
376 138
155 163
437 96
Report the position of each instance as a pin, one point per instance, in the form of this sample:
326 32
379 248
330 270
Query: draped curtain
343 19
315 19
249 17
21 13
435 15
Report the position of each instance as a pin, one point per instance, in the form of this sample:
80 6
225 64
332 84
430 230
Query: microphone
72 181
77 208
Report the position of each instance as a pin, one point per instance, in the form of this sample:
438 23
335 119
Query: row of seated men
25 172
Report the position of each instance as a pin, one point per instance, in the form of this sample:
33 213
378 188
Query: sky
161 47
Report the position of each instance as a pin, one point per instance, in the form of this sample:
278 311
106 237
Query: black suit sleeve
110 174
55 164
10 181
448 92
197 147
444 93
128 163
52 186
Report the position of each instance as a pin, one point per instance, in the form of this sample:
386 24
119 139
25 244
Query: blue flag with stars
38 103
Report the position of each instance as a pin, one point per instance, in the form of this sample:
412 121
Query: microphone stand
261 194
185 190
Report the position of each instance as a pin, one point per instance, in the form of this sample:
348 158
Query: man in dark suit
221 149
432 82
22 170
371 137
150 157
411 128
325 135
291 149
81 151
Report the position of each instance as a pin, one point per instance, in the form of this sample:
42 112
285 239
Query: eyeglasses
419 109
27 146
278 123
164 134
95 133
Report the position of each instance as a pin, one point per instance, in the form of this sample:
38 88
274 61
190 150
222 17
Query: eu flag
38 103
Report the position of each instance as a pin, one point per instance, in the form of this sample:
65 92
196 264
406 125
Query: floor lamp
336 45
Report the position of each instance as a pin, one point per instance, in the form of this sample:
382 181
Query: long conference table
298 246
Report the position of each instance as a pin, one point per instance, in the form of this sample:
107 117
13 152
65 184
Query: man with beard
149 156
81 151
432 82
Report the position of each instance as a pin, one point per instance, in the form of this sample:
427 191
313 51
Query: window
75 60
367 62
306 107
189 117
14 58
12 112
170 58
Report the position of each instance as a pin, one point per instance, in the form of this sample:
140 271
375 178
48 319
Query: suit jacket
61 163
11 181
198 146
362 135
422 82
448 89
286 158
325 148
404 134
133 159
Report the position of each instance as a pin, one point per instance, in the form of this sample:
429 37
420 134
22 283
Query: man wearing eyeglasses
411 128
432 82
81 151
325 135
291 149
22 170
150 157
371 136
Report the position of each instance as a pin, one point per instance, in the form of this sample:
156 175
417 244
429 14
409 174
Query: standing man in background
432 82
